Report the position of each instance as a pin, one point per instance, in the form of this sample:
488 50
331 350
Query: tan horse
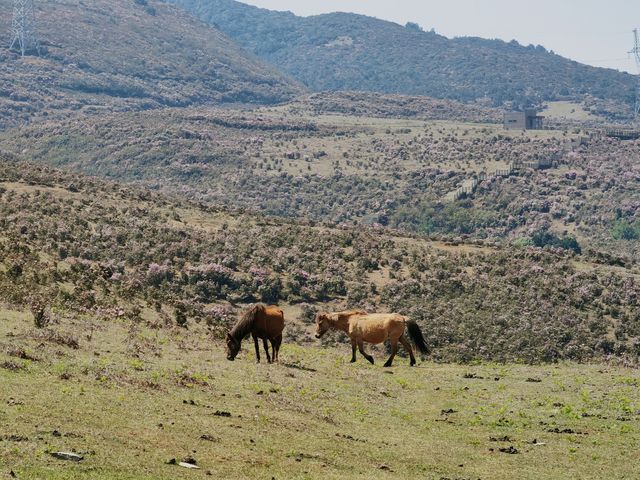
261 321
374 328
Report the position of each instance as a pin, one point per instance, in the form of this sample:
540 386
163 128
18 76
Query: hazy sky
597 32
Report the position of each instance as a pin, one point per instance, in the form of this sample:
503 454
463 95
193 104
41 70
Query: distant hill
369 104
306 161
125 54
342 51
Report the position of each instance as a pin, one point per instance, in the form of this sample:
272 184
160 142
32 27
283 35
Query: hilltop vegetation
106 55
342 51
376 105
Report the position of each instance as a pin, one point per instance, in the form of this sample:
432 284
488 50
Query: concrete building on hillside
525 120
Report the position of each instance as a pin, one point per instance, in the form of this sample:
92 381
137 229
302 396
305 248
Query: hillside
114 301
343 51
306 161
120 55
73 246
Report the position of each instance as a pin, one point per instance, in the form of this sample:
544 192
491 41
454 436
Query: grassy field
130 399
568 111
359 150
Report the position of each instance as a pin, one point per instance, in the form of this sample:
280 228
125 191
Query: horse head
233 347
322 324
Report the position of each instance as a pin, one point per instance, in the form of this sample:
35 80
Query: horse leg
276 347
365 354
353 350
407 346
394 350
266 349
272 341
255 341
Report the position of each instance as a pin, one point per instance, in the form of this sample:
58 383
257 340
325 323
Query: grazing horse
261 321
374 328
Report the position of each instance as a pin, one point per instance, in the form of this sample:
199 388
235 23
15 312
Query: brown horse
261 321
374 328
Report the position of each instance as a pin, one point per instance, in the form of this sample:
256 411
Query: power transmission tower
23 26
636 53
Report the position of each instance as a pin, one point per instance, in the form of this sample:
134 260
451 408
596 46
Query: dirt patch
349 437
188 380
14 438
12 366
568 431
221 413
57 338
506 438
299 367
22 354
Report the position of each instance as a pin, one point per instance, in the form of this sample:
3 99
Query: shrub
218 315
522 242
308 313
156 274
624 230
40 316
180 315
544 238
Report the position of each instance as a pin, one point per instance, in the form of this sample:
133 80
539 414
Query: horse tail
416 336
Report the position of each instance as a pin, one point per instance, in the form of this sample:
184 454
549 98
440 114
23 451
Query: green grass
134 398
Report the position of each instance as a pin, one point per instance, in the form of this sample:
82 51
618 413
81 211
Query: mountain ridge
102 54
345 51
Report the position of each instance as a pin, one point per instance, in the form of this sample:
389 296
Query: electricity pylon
636 54
23 27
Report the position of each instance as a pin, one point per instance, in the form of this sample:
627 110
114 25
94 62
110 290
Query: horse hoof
387 365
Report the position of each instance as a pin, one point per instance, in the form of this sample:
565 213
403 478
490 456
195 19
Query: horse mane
243 327
345 315
349 313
